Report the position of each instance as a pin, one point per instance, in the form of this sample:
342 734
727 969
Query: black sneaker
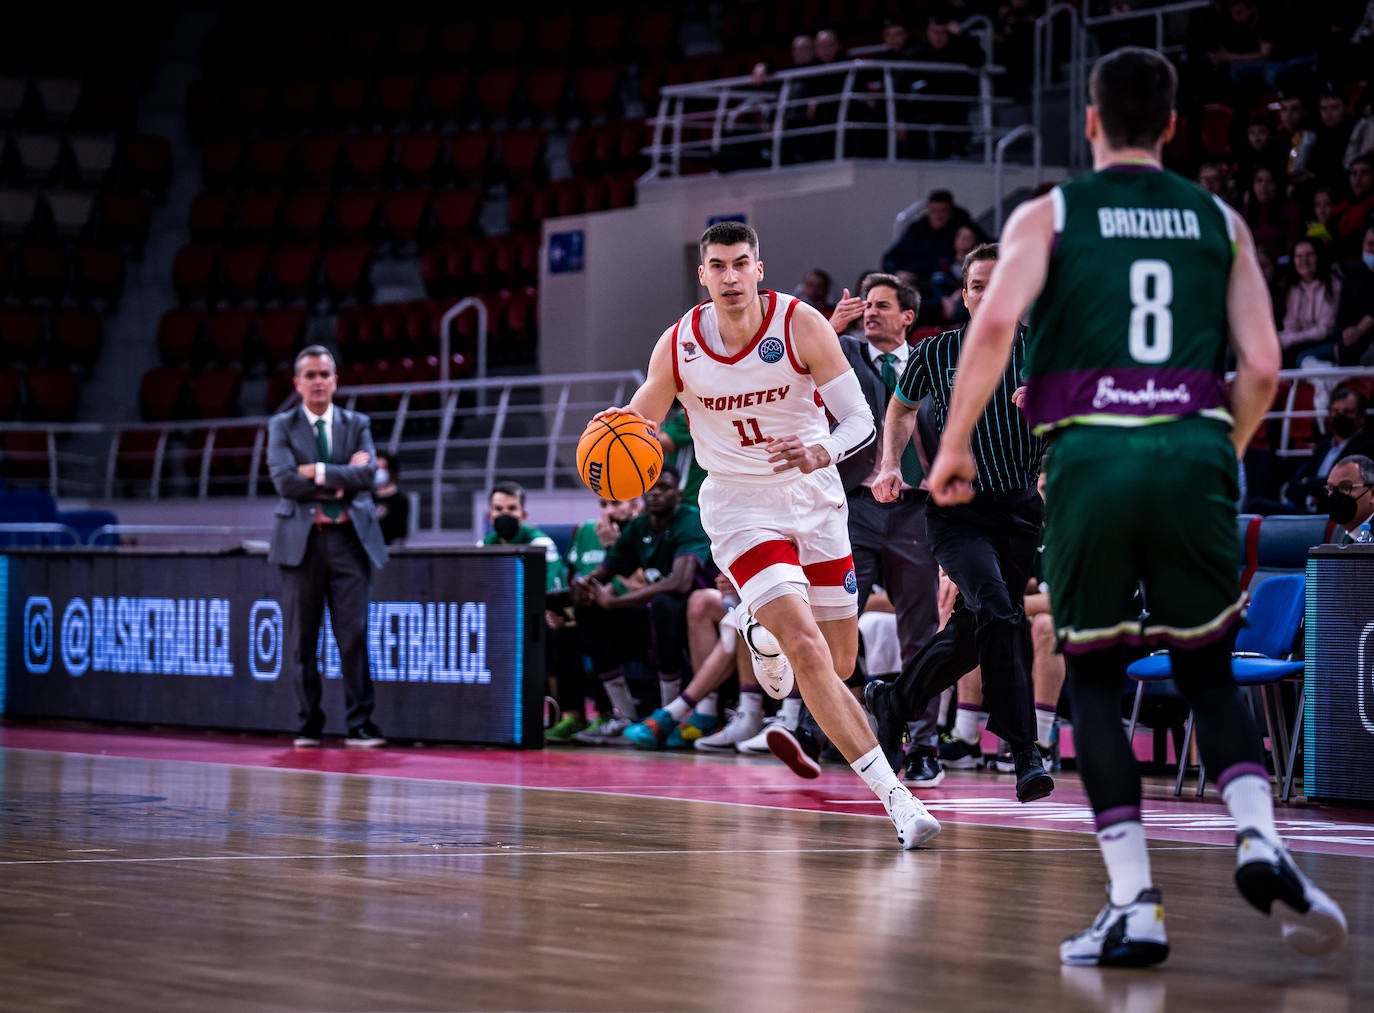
367 736
798 749
1032 782
1006 763
881 700
923 769
308 738
960 755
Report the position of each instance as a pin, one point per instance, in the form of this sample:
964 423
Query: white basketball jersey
736 403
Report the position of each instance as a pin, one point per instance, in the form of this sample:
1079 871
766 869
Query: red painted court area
970 797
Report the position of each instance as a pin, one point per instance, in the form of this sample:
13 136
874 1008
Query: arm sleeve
854 429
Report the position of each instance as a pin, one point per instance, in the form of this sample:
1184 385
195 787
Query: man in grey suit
326 539
888 539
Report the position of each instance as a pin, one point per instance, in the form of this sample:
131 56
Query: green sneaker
568 726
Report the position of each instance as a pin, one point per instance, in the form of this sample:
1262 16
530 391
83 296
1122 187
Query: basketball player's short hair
907 296
983 251
509 489
1133 91
312 350
729 234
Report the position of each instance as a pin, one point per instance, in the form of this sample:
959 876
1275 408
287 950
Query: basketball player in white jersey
756 372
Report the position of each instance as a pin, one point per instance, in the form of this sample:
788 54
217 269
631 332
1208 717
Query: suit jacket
853 470
1305 481
291 442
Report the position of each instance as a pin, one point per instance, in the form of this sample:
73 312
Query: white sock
751 704
678 709
1044 724
873 768
966 725
1251 802
668 689
1127 860
790 711
621 698
708 705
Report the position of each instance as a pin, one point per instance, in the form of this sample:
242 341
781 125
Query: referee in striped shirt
987 546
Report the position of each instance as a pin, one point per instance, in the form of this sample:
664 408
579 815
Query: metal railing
703 120
460 431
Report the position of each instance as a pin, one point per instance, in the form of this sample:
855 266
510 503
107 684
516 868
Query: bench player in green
1137 278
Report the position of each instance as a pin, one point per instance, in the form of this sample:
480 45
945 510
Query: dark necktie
911 463
332 510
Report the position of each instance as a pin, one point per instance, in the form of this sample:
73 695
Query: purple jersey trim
1129 391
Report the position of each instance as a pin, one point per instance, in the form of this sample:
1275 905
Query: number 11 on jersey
748 430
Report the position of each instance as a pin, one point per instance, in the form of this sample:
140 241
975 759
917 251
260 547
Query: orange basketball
619 456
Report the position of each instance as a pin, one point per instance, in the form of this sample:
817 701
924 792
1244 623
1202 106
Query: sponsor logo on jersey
689 351
770 349
734 402
851 582
1108 394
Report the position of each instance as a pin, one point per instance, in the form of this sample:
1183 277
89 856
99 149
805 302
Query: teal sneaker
697 726
653 731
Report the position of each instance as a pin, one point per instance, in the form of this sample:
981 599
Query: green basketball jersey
1131 327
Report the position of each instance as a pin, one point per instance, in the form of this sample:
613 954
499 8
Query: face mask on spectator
1340 507
1368 259
383 477
506 525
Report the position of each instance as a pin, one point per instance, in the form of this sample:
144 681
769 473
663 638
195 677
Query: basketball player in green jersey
1138 277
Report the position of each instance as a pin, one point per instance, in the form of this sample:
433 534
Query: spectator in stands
1350 494
928 242
510 526
1275 221
1310 305
1215 179
326 540
1258 151
822 107
794 149
869 141
948 282
1354 330
943 43
393 506
1244 49
1328 161
814 290
1362 131
1298 138
1347 434
1356 213
1319 222
667 542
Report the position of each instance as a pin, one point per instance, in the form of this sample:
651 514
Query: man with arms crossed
749 367
1137 277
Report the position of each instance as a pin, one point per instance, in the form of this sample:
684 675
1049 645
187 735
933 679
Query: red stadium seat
545 88
25 455
404 215
522 154
495 90
458 38
347 98
50 394
178 332
595 89
126 217
306 213
77 333
269 159
243 269
279 387
455 211
447 95
148 164
396 98
194 272
222 161
21 333
505 36
230 457
317 158
293 270
1216 129
229 332
257 215
356 214
345 271
366 158
99 274
299 101
417 157
469 153
215 393
209 216
281 333
42 273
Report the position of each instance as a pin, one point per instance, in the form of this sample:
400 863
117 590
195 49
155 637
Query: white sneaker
1312 923
914 823
740 727
759 743
771 666
1128 936
610 732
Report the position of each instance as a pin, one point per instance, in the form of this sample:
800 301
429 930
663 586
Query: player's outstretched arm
818 349
1253 339
1023 263
655 395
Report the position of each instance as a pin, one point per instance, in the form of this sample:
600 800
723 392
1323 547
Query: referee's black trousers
988 549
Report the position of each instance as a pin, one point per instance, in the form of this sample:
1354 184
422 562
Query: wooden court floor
141 871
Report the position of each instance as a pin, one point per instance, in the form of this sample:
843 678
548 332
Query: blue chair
1262 661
